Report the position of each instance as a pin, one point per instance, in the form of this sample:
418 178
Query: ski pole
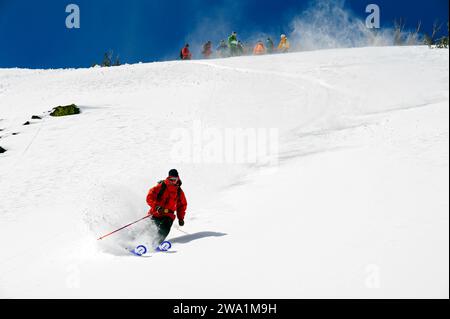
123 227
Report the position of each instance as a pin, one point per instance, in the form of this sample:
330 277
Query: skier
284 44
207 50
185 54
222 49
233 43
269 45
164 199
259 49
241 49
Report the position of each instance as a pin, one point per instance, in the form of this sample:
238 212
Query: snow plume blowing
112 208
324 24
327 24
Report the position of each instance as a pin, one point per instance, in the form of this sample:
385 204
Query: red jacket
186 54
173 199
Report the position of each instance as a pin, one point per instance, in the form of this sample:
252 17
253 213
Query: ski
142 251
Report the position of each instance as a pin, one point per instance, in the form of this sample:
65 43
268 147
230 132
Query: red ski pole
123 227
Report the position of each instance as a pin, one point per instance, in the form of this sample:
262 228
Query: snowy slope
356 204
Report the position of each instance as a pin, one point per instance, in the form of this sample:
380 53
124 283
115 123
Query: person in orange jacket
284 44
185 54
259 49
167 201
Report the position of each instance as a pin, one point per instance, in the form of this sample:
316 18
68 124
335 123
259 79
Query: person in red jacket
165 199
185 54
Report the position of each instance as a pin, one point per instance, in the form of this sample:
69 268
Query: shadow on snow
191 237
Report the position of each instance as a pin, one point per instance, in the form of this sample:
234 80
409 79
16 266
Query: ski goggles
174 180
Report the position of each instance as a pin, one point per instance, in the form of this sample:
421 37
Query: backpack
163 189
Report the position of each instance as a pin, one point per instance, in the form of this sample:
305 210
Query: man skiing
259 48
207 50
233 43
222 49
241 49
165 199
185 54
284 44
269 45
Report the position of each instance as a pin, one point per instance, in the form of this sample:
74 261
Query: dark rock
15 133
35 117
27 123
65 110
2 150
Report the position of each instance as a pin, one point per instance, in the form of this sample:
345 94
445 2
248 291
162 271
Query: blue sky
33 33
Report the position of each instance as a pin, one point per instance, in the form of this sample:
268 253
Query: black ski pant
163 225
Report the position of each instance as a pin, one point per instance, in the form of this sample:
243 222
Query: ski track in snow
356 207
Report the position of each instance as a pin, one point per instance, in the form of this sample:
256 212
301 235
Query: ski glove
181 222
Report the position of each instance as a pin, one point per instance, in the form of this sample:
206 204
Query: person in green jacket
233 44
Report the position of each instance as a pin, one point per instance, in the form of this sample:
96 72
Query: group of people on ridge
235 47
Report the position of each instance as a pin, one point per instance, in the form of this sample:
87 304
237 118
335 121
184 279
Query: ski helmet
173 173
